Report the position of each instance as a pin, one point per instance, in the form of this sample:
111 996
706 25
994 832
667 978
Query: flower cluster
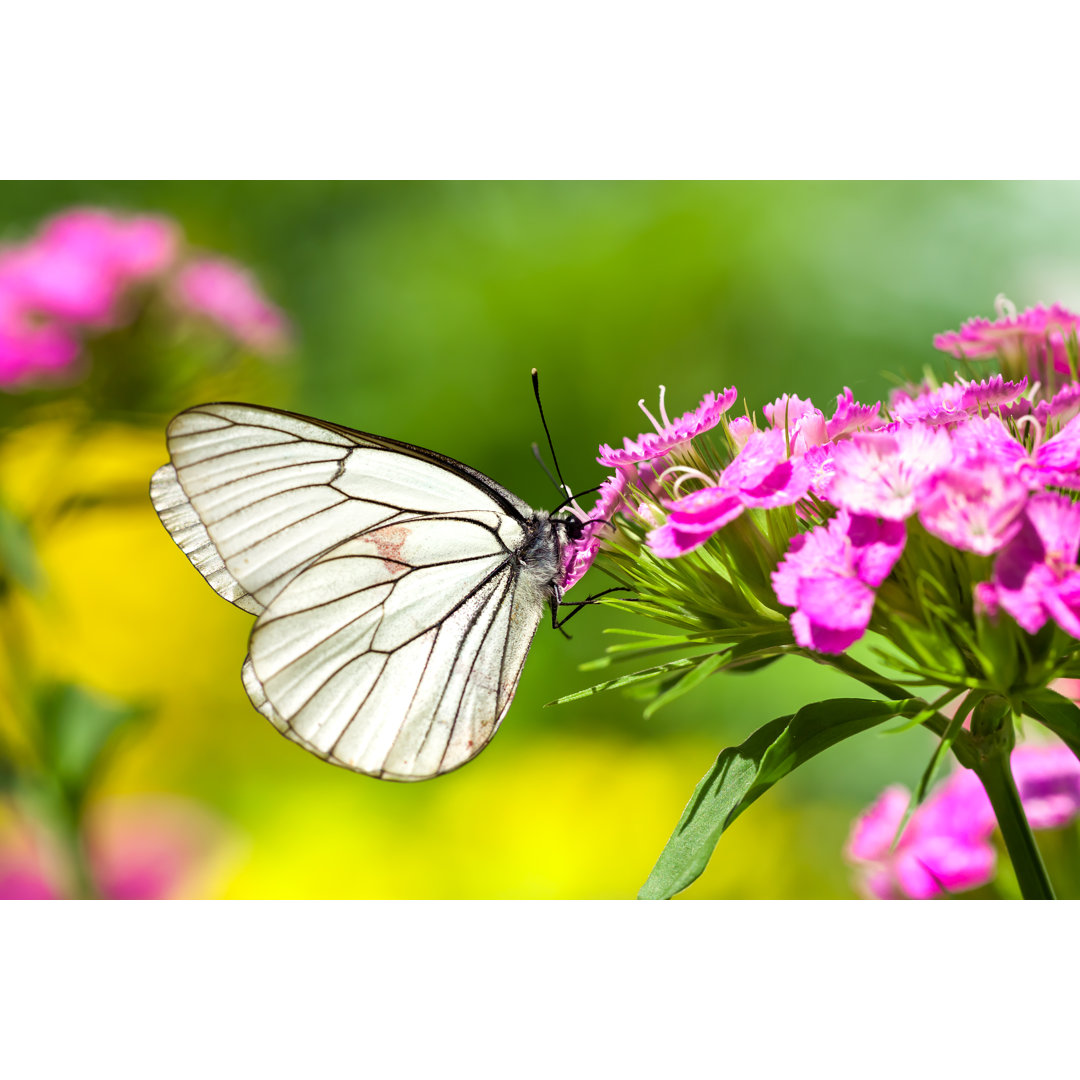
943 522
946 846
87 271
952 504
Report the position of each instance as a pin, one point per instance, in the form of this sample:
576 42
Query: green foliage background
420 309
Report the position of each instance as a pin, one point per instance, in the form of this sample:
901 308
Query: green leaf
78 728
645 675
1058 713
943 746
691 679
747 666
745 772
18 560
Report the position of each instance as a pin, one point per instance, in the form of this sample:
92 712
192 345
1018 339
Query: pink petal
873 830
876 546
1048 779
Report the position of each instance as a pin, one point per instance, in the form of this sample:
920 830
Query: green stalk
996 776
83 884
962 746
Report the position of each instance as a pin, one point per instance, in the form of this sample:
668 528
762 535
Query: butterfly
396 590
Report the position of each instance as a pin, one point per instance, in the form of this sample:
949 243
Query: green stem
962 747
996 776
82 879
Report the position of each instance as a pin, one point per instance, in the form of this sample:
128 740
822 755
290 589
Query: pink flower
669 434
1055 462
1035 336
955 402
764 475
133 248
28 347
1048 779
974 504
828 575
693 519
739 430
78 267
578 555
819 461
1035 574
851 416
1062 407
883 472
944 848
760 476
989 437
805 425
227 294
139 849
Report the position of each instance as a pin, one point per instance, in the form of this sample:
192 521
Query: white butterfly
397 590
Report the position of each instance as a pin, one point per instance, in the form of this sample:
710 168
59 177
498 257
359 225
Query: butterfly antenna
562 483
543 465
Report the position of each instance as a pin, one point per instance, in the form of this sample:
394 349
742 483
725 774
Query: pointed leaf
1058 713
657 672
691 679
743 773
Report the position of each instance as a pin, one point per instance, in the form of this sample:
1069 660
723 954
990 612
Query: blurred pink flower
78 267
228 295
151 848
132 248
1048 779
945 844
1035 337
73 280
29 347
945 847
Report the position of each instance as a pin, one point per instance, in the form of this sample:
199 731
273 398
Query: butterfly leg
577 605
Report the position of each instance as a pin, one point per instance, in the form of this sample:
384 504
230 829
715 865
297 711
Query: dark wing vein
511 580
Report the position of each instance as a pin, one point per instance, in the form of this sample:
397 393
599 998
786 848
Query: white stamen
652 419
663 410
688 473
1029 419
1004 307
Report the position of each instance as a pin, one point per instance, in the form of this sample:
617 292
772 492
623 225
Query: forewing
254 496
397 654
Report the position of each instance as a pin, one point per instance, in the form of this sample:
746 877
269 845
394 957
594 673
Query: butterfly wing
392 623
397 654
254 495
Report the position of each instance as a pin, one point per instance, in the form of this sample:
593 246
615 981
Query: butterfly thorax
540 552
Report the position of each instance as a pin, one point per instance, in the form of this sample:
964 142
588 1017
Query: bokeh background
419 309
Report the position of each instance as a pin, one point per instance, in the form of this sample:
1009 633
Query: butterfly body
396 590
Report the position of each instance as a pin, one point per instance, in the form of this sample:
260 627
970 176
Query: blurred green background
420 308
